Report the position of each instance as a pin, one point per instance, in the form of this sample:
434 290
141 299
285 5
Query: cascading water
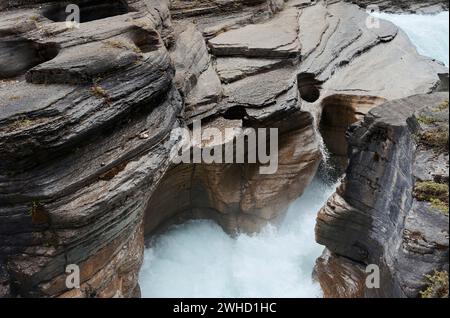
197 259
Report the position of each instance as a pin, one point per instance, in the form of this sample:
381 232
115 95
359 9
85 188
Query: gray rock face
85 166
275 38
376 216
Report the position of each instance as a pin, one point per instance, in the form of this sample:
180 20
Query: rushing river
198 259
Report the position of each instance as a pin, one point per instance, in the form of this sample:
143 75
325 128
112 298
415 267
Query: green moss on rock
437 285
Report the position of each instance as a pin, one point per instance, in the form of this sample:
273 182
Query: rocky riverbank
85 167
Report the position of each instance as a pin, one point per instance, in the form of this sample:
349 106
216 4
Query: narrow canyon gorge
87 174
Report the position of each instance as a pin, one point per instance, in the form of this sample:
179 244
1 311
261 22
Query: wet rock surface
87 113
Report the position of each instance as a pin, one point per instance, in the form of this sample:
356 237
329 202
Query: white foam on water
429 33
197 259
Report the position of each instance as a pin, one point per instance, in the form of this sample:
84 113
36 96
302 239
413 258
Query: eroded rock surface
387 211
86 116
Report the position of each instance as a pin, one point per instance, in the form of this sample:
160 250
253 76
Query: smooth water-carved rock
89 10
85 165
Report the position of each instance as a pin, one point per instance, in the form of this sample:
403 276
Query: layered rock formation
391 209
402 6
87 113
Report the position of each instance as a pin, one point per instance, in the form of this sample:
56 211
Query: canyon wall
391 209
405 6
87 115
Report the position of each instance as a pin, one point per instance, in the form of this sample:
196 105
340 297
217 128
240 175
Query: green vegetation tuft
434 129
97 90
427 190
440 206
435 193
435 138
427 120
34 18
22 123
437 285
118 44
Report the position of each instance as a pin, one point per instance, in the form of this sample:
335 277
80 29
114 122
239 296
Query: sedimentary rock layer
379 214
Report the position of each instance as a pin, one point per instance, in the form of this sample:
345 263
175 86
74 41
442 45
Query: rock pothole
89 10
309 87
146 41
